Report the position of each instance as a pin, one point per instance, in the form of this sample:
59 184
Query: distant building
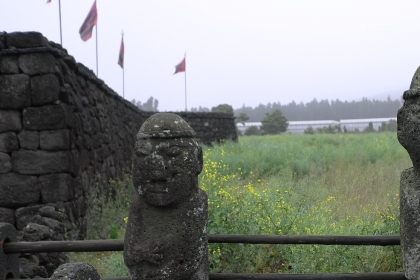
241 127
361 124
298 127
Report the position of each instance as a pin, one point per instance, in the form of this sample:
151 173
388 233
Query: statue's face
165 170
408 125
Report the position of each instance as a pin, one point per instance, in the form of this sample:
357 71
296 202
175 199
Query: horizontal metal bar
276 276
378 240
118 244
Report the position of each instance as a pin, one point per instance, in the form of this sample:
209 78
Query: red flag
90 21
121 56
180 67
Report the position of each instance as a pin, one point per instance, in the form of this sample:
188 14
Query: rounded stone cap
165 125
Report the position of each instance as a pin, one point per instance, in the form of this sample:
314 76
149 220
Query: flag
90 21
121 56
180 67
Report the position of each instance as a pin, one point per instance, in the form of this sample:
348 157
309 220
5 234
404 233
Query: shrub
309 130
222 108
253 130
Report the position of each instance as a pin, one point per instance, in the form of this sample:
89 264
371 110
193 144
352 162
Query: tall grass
302 185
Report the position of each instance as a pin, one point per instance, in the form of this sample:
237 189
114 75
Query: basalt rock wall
62 128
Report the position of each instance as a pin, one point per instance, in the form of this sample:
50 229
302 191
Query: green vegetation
324 184
242 118
222 108
274 123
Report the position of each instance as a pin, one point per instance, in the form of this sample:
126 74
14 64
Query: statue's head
408 121
167 160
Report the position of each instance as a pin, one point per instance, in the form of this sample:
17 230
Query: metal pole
59 13
122 34
97 51
185 73
123 82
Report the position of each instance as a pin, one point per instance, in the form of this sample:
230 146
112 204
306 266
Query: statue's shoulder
407 173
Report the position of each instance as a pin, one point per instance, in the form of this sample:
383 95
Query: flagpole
185 72
96 50
122 34
59 13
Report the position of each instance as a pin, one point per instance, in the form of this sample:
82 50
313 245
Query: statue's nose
159 173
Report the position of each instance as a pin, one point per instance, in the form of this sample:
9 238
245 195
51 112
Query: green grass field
341 184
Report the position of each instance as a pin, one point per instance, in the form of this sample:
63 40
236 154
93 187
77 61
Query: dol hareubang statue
408 121
166 235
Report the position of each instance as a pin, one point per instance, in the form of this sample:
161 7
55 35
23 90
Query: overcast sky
238 51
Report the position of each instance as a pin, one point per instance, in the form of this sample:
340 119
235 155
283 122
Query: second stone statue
166 235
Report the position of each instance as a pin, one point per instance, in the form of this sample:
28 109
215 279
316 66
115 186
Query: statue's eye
173 151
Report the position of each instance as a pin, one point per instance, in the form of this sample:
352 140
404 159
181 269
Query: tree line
314 110
325 110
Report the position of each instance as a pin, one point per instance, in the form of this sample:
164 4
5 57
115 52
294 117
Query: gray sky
238 51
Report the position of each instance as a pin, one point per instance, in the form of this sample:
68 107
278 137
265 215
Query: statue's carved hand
155 256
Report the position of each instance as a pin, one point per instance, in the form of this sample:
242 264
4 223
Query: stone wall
61 127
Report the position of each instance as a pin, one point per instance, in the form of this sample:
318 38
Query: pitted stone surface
37 63
10 120
45 117
41 162
29 140
54 140
26 40
14 91
18 190
166 235
45 89
8 142
7 215
9 65
5 163
165 125
75 271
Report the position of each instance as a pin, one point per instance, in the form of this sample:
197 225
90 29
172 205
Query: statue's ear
199 160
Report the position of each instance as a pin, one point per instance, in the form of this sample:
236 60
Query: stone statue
408 122
166 235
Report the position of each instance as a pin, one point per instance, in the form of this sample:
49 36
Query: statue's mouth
158 186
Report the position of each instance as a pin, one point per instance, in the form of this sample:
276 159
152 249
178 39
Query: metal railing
118 245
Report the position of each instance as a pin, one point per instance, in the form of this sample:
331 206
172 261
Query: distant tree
338 128
200 109
242 118
274 123
326 130
309 130
382 128
369 128
330 130
345 129
392 125
222 108
150 105
253 130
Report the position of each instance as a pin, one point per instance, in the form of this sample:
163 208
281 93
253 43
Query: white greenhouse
298 127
